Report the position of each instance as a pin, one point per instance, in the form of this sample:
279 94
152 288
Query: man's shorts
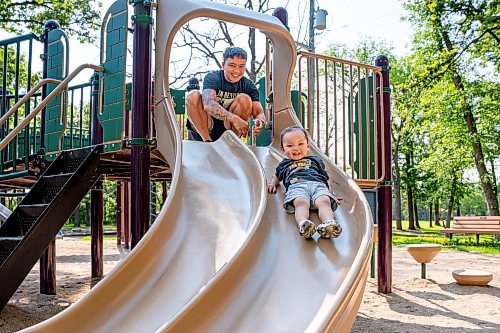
215 131
310 190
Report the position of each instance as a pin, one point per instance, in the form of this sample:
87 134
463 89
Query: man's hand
241 127
258 125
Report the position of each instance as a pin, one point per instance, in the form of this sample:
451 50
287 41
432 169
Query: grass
426 235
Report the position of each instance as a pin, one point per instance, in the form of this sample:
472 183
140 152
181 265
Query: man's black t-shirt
310 168
226 92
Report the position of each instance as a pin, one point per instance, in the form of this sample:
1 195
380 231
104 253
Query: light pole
320 24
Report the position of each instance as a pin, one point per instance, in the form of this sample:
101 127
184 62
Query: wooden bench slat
477 218
476 222
476 226
471 231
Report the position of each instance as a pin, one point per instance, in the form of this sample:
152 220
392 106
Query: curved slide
223 256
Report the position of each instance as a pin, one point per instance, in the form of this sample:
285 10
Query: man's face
234 68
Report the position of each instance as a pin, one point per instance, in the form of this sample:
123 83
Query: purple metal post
96 194
119 213
385 190
141 101
282 15
48 270
164 191
126 215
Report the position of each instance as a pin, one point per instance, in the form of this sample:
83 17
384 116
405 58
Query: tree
205 39
22 80
79 18
453 34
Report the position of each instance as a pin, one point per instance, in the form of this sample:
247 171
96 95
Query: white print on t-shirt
225 98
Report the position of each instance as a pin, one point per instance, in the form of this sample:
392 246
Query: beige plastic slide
223 256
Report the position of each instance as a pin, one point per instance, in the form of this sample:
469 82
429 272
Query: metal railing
78 116
340 109
29 117
16 78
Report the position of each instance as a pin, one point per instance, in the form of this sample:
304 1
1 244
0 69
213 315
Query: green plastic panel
179 99
55 113
265 138
361 123
113 91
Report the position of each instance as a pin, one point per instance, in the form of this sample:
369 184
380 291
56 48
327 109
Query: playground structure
222 265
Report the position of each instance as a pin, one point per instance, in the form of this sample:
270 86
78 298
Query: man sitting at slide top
227 101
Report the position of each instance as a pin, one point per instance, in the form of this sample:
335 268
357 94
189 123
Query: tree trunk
450 209
409 195
494 178
458 209
76 215
451 201
436 213
415 209
87 213
430 214
484 176
397 187
251 44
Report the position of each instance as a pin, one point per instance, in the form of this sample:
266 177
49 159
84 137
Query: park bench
478 225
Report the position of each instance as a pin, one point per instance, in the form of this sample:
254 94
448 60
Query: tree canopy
79 18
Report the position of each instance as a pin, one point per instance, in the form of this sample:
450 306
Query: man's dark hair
234 51
292 129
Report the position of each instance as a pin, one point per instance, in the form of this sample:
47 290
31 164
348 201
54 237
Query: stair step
56 180
52 184
32 210
28 216
7 245
74 158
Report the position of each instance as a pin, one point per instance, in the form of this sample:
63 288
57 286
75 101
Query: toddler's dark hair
291 129
234 51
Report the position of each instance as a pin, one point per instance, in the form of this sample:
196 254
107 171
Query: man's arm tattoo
213 108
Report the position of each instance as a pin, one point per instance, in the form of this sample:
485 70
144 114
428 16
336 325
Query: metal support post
96 193
385 190
119 213
141 101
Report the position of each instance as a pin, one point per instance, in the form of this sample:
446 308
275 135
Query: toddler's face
295 145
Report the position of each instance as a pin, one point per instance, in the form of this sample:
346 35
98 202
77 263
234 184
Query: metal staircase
35 222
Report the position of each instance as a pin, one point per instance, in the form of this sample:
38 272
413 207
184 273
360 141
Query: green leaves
79 18
449 99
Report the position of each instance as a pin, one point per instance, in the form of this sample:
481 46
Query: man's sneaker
307 229
329 229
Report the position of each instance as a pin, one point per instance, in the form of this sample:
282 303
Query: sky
347 22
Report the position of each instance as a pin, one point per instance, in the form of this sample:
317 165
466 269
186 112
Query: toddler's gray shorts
309 190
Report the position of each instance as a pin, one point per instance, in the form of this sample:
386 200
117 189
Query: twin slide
223 255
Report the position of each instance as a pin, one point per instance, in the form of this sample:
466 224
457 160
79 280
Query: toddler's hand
271 188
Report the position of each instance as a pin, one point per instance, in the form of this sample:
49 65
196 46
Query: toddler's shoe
307 229
329 229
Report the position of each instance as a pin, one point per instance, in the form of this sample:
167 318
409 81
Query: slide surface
223 256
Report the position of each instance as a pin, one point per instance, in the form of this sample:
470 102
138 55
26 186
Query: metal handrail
346 62
343 110
26 97
43 103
